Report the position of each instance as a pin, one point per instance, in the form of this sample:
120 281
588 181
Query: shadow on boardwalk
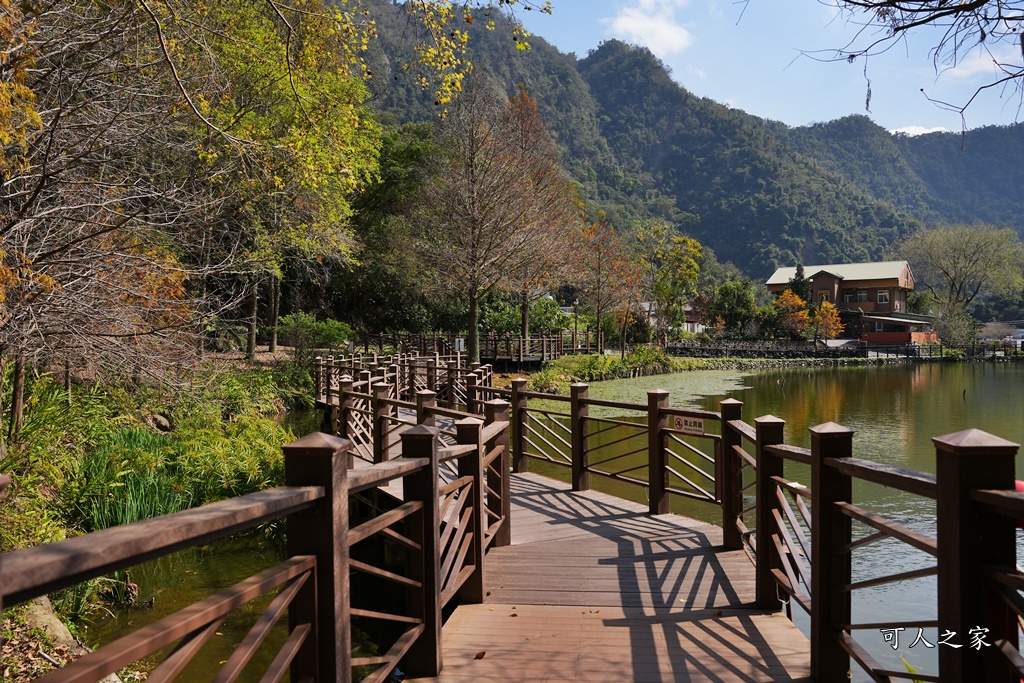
594 589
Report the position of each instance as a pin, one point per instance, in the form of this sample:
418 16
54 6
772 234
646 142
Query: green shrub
305 333
953 354
551 381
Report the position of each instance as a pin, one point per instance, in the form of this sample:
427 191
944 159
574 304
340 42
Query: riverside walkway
594 589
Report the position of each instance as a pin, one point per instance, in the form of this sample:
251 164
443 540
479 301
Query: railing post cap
768 419
497 403
426 393
469 422
420 432
520 381
657 392
830 430
974 442
729 402
317 442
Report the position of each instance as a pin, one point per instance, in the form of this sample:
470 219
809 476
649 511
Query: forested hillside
760 193
936 177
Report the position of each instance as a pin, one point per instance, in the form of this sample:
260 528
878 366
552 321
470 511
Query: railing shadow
682 596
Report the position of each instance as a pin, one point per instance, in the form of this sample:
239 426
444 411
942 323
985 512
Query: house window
823 296
883 296
879 327
896 306
849 296
862 296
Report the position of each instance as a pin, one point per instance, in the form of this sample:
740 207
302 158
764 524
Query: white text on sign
690 425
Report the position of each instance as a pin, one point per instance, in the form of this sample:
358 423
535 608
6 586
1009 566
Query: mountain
760 193
936 177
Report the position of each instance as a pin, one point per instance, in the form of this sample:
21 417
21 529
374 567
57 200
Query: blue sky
751 56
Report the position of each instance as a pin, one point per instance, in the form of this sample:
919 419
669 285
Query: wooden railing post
769 433
394 378
318 378
659 502
321 460
470 431
830 566
520 463
579 431
472 400
424 657
969 539
453 383
432 374
425 402
412 381
329 378
498 411
343 420
729 474
382 412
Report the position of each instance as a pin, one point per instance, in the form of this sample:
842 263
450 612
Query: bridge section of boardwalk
547 581
594 589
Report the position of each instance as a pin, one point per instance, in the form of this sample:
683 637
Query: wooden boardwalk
595 589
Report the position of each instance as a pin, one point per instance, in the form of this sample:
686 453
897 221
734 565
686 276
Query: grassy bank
557 375
109 454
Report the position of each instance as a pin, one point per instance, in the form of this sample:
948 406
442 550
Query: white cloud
918 130
653 24
981 63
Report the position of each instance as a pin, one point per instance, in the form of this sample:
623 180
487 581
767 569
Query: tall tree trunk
473 331
524 328
275 307
17 397
625 327
250 319
3 439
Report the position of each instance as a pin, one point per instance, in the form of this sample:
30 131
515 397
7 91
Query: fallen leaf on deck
480 655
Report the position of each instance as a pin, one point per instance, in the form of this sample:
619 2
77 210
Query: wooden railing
453 380
443 527
810 541
677 455
804 543
492 346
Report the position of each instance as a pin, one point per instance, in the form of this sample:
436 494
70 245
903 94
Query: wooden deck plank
619 644
595 589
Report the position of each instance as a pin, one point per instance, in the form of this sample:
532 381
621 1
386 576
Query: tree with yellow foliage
793 318
827 324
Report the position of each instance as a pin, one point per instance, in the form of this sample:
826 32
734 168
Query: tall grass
91 460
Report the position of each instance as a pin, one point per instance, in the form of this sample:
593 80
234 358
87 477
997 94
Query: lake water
894 410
